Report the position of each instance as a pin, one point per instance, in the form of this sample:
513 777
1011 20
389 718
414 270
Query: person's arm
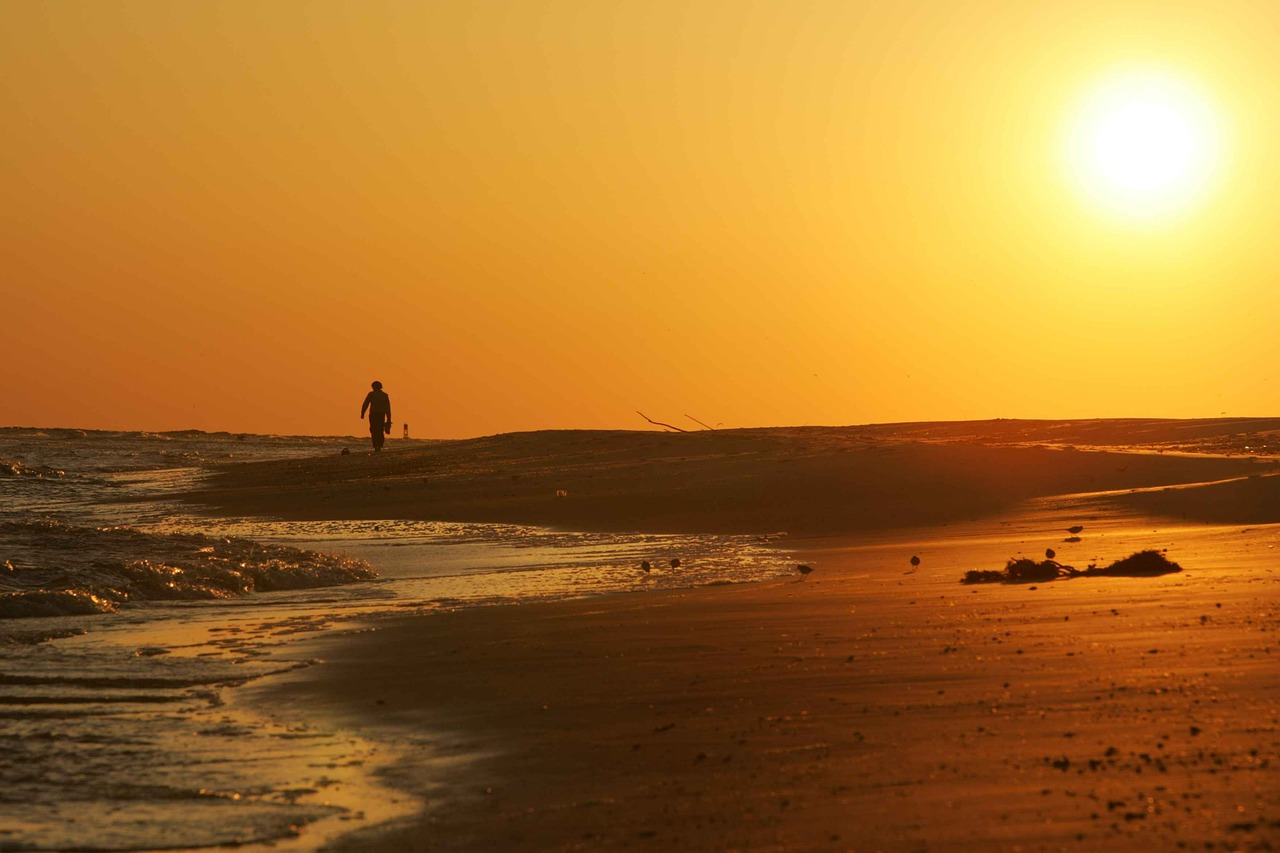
388 410
368 398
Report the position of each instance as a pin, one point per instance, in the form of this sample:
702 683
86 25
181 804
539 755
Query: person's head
377 386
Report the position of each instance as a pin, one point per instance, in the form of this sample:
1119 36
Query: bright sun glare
1144 145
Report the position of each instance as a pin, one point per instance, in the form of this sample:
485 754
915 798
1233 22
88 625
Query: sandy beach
870 706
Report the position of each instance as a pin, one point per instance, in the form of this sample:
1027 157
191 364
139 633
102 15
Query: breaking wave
50 568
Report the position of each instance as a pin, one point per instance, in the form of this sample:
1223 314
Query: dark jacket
377 403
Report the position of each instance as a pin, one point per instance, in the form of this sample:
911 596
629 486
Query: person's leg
377 435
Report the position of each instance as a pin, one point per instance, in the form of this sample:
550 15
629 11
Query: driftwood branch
699 423
659 423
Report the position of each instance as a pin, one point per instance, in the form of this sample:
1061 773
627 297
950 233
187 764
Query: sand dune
818 480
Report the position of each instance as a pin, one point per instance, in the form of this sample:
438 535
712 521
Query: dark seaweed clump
1141 564
1020 570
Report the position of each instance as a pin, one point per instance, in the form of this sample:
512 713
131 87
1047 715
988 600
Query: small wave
55 569
11 468
57 602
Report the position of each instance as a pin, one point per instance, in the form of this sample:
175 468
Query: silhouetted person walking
378 405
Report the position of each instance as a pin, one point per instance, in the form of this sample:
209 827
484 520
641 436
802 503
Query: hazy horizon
233 217
685 426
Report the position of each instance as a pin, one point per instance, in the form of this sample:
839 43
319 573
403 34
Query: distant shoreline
1084 431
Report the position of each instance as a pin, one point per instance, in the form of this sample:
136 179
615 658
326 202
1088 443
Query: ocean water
127 622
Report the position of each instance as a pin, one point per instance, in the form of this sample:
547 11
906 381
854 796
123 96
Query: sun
1144 145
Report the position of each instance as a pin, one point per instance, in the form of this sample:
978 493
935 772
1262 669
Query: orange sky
550 214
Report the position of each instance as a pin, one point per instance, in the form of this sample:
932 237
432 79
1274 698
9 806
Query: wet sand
868 707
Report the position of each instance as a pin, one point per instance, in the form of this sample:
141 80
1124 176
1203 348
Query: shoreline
870 706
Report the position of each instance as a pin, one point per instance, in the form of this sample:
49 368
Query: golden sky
522 215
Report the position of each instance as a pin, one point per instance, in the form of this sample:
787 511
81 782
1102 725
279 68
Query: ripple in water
108 745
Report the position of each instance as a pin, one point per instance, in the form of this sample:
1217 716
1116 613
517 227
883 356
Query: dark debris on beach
1140 564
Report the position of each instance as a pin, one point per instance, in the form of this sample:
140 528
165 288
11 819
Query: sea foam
51 568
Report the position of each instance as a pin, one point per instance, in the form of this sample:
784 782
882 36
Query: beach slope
871 705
